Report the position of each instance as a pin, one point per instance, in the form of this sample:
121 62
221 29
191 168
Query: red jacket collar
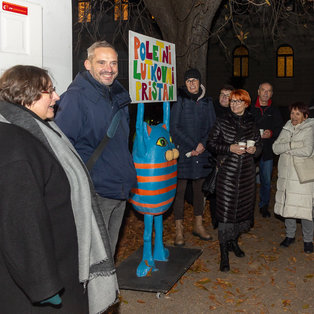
258 105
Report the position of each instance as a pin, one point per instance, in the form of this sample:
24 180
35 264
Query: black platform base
180 260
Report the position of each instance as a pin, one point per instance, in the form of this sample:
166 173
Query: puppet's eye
162 142
170 139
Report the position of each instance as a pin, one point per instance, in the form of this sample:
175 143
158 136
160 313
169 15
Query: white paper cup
242 144
261 131
250 143
188 155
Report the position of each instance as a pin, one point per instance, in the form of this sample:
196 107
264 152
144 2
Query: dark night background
262 58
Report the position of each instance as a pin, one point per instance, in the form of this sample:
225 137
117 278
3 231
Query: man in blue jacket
85 113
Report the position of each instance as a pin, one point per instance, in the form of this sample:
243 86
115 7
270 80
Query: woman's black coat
190 124
38 240
235 187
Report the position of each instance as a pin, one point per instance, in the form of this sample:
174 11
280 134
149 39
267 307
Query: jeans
112 212
265 172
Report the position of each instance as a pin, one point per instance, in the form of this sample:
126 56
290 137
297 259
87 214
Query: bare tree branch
191 23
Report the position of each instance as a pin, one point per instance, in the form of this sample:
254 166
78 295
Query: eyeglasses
224 95
191 81
50 91
236 101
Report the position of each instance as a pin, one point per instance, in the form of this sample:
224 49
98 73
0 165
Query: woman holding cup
236 141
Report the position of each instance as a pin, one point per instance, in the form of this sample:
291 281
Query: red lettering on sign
11 7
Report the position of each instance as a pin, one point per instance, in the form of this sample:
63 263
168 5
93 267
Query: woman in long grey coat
294 199
235 186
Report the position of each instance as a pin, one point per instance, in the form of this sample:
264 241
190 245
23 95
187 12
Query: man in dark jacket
85 113
192 117
221 105
269 121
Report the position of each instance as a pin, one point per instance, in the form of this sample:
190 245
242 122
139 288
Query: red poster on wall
15 8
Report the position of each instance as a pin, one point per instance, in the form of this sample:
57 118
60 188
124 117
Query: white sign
38 32
152 69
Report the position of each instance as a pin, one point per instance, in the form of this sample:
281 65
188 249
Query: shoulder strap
110 134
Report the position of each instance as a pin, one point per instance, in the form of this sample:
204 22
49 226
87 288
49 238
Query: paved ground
269 279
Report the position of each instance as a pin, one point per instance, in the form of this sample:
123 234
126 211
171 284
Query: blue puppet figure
155 160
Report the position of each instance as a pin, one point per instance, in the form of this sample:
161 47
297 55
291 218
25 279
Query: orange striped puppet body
155 159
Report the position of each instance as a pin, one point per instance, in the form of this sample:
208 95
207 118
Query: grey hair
98 44
259 86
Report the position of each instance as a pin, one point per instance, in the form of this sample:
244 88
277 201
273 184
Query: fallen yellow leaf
202 287
122 300
286 302
203 281
172 291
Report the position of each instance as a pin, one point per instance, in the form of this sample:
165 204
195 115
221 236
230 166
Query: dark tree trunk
186 24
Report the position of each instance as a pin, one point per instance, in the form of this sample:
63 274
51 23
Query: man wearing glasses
222 103
221 106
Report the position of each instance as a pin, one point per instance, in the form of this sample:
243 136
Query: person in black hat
192 117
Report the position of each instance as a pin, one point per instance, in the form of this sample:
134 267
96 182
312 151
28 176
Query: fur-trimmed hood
183 92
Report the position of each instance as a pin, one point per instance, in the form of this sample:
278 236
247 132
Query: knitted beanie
192 73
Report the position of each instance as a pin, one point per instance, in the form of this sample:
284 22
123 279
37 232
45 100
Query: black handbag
209 185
